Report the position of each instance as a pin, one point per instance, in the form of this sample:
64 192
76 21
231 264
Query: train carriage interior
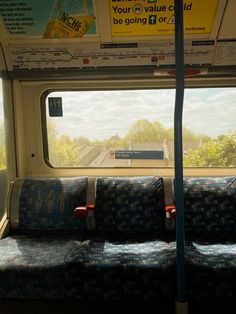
117 156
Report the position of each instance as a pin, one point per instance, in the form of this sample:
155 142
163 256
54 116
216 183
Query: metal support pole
178 147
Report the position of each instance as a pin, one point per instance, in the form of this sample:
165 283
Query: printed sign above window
157 17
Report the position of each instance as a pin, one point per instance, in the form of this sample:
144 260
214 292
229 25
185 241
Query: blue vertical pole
179 193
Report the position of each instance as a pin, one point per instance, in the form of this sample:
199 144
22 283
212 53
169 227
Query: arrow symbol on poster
152 19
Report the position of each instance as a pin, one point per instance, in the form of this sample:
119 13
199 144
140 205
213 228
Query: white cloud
101 114
210 111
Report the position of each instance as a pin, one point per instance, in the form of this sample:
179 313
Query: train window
210 115
3 167
134 128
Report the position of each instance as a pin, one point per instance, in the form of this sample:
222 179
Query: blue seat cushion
49 203
49 267
130 205
34 267
211 271
209 205
103 270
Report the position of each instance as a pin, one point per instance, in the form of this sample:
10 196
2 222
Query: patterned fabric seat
141 271
34 267
130 205
33 258
128 208
42 261
49 203
211 270
210 222
210 207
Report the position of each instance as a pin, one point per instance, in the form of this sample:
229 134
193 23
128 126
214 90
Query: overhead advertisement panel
48 18
156 17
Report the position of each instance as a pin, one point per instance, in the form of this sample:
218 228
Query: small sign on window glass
139 154
55 106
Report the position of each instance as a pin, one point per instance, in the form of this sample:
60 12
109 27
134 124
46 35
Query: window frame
44 127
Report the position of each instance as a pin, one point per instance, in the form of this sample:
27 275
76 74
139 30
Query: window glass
3 167
210 115
134 128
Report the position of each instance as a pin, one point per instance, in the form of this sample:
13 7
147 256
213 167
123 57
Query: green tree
227 145
63 152
161 132
142 131
219 152
115 142
189 135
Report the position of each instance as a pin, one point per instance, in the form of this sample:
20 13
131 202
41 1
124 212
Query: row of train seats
120 248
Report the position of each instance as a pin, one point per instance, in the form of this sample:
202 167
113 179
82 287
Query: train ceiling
62 36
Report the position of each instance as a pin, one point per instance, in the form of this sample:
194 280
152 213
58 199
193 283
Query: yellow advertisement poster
157 17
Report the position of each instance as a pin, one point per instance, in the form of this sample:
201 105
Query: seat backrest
210 206
130 205
47 203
